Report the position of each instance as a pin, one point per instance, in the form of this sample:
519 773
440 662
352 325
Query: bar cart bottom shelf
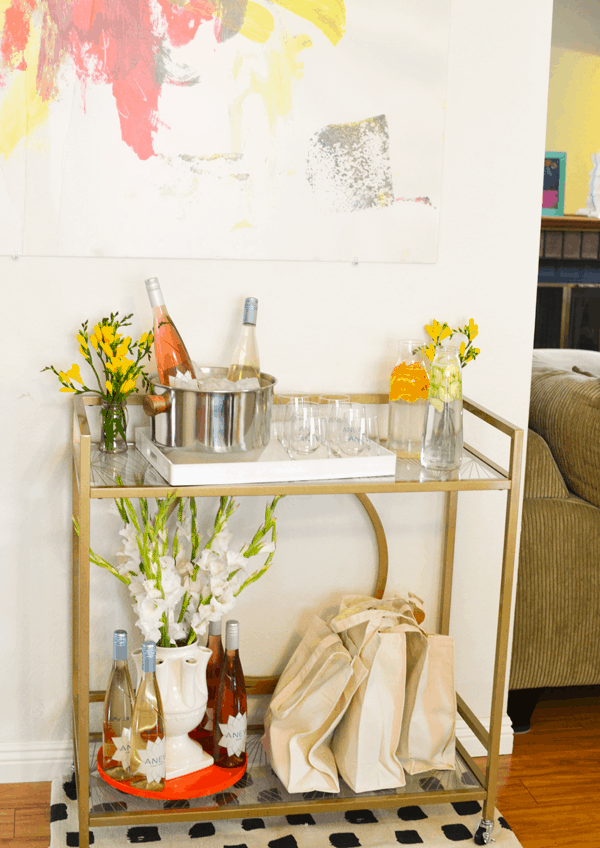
208 781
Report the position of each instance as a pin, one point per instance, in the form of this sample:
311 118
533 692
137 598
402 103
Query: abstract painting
244 129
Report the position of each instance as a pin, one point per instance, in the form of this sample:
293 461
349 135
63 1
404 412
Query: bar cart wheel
483 835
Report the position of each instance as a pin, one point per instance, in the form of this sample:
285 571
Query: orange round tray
208 781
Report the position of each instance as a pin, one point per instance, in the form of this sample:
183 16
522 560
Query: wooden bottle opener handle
155 404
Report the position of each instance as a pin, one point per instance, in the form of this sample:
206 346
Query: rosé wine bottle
172 358
230 712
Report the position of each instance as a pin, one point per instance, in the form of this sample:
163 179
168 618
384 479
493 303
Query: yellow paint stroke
327 15
258 23
283 68
23 110
274 87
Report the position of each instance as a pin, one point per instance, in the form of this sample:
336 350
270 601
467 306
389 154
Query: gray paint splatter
349 166
168 71
232 14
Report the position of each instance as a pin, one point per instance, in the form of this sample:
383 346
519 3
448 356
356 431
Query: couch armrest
542 476
565 412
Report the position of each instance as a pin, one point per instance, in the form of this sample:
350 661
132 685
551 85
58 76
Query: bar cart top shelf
131 475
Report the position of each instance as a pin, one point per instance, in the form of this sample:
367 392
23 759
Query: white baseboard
30 762
472 743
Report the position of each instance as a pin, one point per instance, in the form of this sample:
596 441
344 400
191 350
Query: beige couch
557 616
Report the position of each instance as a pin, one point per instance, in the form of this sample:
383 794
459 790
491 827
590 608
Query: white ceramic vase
181 678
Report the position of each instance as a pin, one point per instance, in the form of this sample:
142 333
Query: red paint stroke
424 200
114 42
15 35
183 21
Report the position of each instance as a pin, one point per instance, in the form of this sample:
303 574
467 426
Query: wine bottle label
153 761
123 746
234 734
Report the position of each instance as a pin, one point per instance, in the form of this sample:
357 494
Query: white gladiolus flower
174 595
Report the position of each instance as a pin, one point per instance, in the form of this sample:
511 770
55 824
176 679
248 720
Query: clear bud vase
441 448
113 432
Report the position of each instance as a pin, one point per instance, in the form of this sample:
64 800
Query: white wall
328 326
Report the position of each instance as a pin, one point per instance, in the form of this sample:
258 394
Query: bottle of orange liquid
409 383
230 712
172 358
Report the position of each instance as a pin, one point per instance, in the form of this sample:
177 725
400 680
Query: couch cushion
542 476
565 411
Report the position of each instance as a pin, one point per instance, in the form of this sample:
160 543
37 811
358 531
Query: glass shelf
132 471
260 786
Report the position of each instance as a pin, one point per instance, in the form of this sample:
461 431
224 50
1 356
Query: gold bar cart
477 473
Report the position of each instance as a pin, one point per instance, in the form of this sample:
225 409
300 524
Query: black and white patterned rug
436 826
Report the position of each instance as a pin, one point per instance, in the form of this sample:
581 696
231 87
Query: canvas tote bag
310 699
427 738
366 741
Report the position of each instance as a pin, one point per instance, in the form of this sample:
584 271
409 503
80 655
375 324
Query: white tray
192 468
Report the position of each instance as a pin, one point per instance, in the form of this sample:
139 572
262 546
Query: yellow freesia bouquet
438 332
119 361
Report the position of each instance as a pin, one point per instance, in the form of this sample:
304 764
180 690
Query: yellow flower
433 330
109 387
98 332
128 386
461 350
81 340
445 333
125 365
473 329
430 352
66 389
111 366
74 374
123 347
106 348
143 338
94 342
108 333
84 352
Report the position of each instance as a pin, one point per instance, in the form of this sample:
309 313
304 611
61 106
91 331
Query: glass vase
408 395
441 448
113 432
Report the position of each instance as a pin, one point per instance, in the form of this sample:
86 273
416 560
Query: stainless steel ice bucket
217 422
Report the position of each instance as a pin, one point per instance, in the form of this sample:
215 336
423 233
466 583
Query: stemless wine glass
372 430
333 405
280 403
308 430
353 436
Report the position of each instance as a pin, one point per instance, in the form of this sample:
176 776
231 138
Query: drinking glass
307 429
278 418
353 435
333 413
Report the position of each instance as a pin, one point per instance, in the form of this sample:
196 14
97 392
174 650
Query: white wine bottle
118 706
172 358
230 711
246 361
205 731
148 760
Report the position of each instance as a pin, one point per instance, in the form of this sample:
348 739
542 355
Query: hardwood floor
550 785
25 815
